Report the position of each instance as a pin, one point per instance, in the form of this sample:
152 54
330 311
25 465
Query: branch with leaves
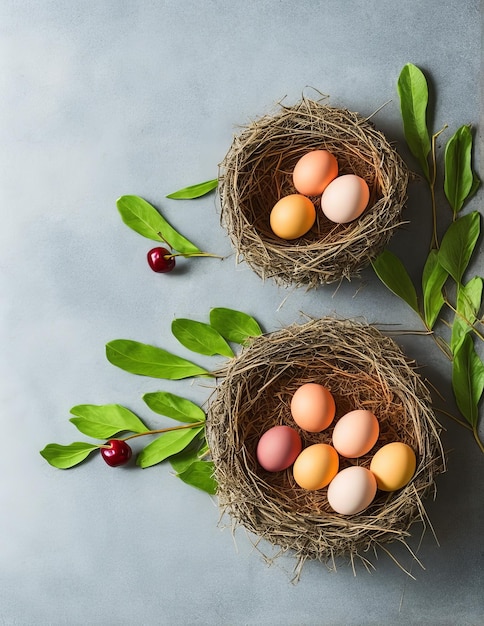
446 264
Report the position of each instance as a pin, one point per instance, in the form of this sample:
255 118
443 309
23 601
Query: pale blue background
103 98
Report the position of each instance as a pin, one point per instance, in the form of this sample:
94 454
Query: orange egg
345 198
278 448
393 466
292 216
313 407
355 433
314 171
316 466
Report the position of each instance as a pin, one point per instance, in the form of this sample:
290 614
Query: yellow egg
316 466
314 171
352 490
393 466
313 407
345 198
292 216
356 433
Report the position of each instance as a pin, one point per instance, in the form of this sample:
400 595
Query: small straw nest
257 172
363 369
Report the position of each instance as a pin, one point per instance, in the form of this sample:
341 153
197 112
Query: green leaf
146 360
64 457
144 219
176 407
166 445
459 178
194 191
433 279
186 457
413 92
104 421
200 337
458 243
467 379
391 271
469 298
235 326
200 474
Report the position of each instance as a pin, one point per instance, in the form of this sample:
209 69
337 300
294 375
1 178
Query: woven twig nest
257 172
363 369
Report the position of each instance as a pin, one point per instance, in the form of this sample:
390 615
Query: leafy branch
448 261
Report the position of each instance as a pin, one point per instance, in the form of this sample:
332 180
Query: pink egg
345 198
278 448
352 490
356 433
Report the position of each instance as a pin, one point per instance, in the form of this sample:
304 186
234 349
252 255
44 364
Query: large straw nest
363 369
257 172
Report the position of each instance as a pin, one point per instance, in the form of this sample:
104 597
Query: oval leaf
433 280
469 298
234 325
467 379
201 338
459 178
104 421
391 271
145 360
458 244
166 445
194 191
200 474
176 407
64 457
144 219
413 92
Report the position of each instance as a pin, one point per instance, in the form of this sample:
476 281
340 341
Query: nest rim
270 505
257 171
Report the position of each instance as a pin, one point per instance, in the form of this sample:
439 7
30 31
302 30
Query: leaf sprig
448 260
184 445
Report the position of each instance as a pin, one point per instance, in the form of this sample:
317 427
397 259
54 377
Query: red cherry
118 454
161 260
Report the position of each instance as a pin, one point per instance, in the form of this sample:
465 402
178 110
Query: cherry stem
163 430
190 254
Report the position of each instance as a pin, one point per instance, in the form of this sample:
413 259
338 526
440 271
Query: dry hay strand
257 172
363 369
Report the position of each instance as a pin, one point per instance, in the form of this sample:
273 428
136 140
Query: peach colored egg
352 490
356 433
393 466
278 448
292 216
313 407
345 198
314 171
316 466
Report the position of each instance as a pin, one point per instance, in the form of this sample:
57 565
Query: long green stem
432 180
464 319
164 430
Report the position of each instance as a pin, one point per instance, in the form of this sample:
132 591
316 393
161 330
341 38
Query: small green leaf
194 191
144 219
459 177
235 326
176 407
469 299
186 457
201 338
467 379
433 280
413 92
391 271
146 360
458 243
104 421
64 457
200 474
166 445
